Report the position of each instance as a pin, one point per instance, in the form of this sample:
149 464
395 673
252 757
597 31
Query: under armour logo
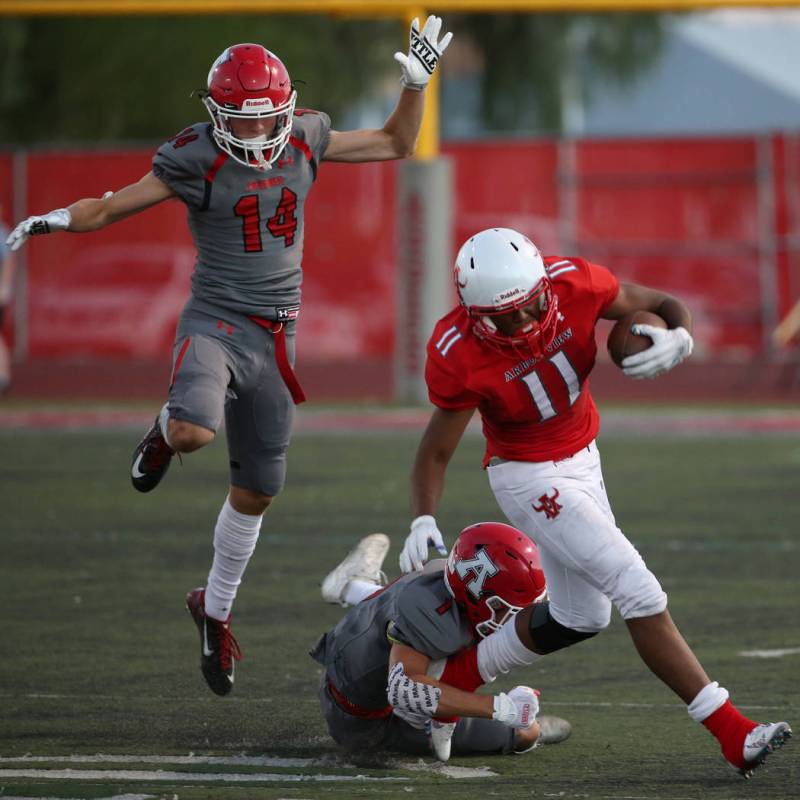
548 504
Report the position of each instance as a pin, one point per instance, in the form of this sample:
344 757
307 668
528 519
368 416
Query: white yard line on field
778 653
114 797
240 761
183 777
563 703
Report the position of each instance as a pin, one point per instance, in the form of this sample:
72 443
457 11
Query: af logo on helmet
481 566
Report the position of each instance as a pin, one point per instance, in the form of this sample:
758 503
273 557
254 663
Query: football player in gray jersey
401 668
244 179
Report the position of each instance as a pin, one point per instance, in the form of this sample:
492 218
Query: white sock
163 423
235 537
708 700
501 651
358 590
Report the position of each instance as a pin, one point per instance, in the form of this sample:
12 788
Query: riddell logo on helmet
264 102
503 296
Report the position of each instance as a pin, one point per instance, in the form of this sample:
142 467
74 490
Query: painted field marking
240 761
184 777
779 653
114 797
232 761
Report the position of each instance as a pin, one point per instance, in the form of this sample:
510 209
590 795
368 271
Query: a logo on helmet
263 102
503 296
481 566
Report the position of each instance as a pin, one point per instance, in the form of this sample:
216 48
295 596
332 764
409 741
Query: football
622 342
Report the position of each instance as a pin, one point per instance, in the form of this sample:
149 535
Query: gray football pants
472 736
223 362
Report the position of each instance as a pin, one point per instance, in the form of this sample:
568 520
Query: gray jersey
416 610
247 224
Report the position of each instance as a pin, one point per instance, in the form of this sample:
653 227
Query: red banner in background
686 216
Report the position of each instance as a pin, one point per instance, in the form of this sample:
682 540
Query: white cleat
441 734
554 729
759 743
363 563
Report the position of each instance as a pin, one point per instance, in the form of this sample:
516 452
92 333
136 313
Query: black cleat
150 460
218 646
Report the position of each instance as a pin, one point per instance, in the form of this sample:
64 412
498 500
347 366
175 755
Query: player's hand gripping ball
623 342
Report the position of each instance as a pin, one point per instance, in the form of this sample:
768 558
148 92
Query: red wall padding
681 215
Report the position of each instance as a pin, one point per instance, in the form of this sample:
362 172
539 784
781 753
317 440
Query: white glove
518 708
423 54
57 220
669 348
424 534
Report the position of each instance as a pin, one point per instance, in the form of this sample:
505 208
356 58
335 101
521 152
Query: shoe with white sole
363 563
759 743
554 729
441 736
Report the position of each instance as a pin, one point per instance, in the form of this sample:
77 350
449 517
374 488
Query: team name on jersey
524 366
266 183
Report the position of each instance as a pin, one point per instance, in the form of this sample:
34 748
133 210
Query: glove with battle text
424 53
58 220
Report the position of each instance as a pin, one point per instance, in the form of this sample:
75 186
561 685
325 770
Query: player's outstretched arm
439 441
398 136
92 213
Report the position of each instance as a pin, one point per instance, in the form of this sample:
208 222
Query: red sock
730 728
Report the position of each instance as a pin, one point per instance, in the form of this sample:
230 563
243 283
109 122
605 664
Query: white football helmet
499 270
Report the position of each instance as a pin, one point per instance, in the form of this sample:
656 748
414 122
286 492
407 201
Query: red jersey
532 409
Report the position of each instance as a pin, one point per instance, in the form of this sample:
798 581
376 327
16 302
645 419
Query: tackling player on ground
244 179
519 348
402 666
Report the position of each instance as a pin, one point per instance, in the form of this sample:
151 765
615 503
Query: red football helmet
249 82
494 568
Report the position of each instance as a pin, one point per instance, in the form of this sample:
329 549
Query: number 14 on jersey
282 224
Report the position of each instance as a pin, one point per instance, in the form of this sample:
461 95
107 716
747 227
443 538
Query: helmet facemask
501 613
537 336
262 151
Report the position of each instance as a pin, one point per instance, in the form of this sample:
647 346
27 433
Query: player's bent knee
187 436
246 501
549 635
639 594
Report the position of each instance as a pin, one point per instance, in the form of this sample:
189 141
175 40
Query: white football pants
587 560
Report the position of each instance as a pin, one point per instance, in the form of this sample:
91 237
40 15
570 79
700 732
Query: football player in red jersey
519 348
244 178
